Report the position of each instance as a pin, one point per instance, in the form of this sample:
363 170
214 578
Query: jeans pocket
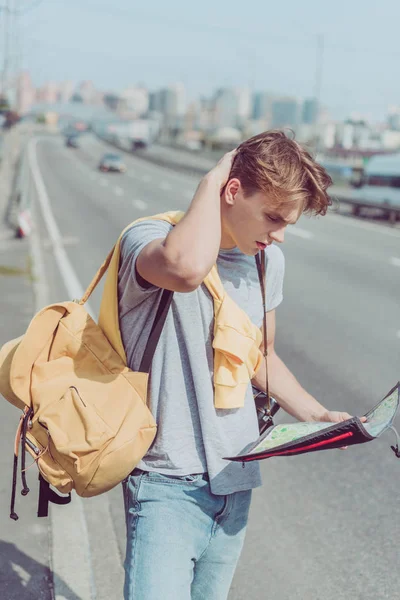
131 486
154 477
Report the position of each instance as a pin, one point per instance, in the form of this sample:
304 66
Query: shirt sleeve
275 272
130 291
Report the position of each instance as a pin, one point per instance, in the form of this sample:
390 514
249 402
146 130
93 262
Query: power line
223 28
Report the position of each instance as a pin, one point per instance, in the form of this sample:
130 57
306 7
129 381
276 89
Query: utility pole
319 64
5 9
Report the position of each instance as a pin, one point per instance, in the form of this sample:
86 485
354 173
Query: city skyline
254 100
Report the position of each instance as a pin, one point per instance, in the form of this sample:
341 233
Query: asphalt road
324 526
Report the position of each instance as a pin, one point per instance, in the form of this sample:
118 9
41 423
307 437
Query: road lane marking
395 261
119 191
297 231
164 185
103 182
72 283
131 175
139 204
146 178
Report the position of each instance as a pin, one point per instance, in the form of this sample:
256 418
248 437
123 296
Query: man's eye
273 219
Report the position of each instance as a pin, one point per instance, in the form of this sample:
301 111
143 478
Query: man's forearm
288 392
197 237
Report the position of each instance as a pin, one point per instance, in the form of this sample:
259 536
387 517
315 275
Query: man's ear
231 190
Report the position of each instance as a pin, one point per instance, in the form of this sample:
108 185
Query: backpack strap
158 322
46 495
93 284
156 330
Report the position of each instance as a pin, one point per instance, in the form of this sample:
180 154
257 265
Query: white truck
380 186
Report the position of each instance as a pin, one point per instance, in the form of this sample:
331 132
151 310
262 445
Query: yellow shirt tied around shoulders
236 342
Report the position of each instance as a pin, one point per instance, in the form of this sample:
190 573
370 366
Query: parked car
72 141
112 163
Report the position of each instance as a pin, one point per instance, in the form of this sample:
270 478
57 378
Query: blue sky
267 45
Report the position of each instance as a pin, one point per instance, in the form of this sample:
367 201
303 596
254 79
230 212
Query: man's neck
227 242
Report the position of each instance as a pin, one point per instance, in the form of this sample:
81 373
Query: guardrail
391 211
23 189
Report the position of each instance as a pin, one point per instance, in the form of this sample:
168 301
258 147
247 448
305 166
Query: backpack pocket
75 429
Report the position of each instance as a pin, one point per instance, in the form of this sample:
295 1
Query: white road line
103 182
398 334
73 285
139 204
297 231
119 191
146 178
394 261
67 526
164 185
352 222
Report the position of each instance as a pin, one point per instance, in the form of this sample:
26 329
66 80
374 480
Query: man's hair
277 165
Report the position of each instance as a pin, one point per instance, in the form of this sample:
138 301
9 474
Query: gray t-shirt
193 436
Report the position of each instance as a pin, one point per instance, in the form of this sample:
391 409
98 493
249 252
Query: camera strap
260 262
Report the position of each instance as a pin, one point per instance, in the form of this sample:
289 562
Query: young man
186 507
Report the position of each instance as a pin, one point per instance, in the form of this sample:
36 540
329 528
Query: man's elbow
186 276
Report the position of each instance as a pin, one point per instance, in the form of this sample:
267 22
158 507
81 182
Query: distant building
393 118
135 100
226 108
25 94
285 113
244 106
65 91
353 135
309 114
111 100
390 139
155 104
87 92
262 103
48 93
328 135
171 103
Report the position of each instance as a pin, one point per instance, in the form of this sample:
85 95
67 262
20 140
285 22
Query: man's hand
335 416
222 169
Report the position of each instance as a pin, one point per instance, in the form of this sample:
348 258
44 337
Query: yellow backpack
85 419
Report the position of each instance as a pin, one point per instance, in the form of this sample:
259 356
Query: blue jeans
183 542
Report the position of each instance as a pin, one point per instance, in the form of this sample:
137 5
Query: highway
324 526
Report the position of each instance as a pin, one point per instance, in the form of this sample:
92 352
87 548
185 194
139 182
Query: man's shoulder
141 227
144 231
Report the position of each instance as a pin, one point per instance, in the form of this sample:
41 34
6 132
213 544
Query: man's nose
278 235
